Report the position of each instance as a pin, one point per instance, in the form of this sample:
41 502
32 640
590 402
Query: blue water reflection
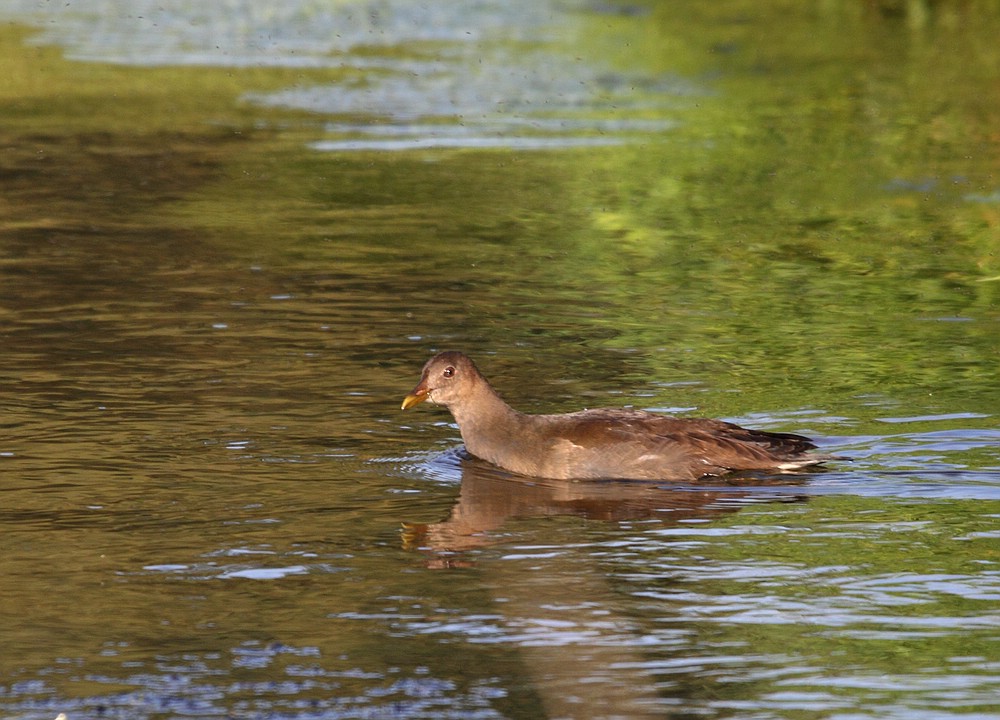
412 75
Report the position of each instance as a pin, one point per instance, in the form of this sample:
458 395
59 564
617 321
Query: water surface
230 238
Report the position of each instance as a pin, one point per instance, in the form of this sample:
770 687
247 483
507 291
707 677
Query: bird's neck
484 419
482 406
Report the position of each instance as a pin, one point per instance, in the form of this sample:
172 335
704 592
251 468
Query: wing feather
604 440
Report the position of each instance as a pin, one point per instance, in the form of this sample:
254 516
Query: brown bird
603 443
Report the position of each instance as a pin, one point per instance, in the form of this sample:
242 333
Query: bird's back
615 443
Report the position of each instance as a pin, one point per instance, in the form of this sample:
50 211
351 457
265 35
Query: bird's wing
604 441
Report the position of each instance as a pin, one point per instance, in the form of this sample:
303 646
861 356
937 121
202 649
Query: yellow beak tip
411 400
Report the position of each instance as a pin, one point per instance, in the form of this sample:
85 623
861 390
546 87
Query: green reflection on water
816 233
812 227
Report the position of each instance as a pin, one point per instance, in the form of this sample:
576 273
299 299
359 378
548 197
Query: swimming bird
602 443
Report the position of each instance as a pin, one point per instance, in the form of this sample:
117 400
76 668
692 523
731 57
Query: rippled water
211 505
413 75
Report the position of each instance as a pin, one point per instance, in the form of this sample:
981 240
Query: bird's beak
416 397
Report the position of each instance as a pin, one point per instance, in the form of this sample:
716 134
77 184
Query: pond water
231 234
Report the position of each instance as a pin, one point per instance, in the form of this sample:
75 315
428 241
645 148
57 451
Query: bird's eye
449 371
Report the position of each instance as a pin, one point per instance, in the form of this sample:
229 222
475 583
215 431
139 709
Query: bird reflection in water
489 497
